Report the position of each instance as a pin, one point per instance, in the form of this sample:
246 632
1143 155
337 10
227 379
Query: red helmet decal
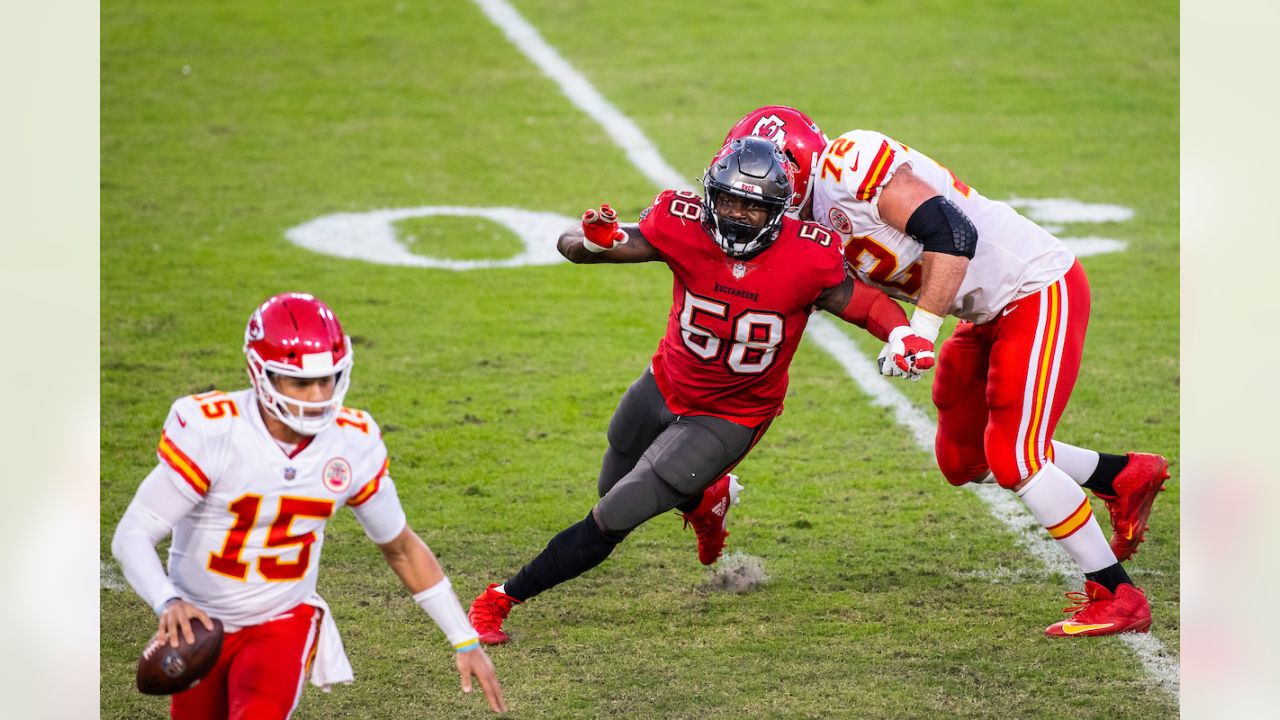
771 127
254 331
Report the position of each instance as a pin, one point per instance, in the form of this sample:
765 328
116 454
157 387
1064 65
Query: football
165 670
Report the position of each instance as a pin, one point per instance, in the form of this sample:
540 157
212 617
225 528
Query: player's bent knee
960 466
1007 474
963 475
612 524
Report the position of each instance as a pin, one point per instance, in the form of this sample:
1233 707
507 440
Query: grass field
892 595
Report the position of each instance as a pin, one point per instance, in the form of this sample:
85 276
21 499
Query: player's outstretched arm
421 573
600 239
860 304
914 207
906 354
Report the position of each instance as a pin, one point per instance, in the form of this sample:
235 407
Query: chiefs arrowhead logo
840 221
771 128
254 332
337 475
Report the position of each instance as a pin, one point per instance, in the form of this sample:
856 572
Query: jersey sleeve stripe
183 465
370 488
879 169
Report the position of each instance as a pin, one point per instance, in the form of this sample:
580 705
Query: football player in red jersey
909 226
246 483
746 276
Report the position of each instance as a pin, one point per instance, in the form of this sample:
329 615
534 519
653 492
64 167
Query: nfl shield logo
290 473
739 269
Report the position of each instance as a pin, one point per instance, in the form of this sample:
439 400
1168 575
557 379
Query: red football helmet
296 334
795 134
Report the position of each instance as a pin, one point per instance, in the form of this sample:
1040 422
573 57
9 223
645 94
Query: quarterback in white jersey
246 482
250 546
1003 378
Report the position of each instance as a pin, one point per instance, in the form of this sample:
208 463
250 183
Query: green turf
892 594
457 238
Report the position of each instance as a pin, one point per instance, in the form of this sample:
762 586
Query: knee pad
606 519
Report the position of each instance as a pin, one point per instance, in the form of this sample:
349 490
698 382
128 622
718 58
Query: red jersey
735 324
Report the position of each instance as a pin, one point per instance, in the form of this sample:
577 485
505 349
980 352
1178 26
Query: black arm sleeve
943 228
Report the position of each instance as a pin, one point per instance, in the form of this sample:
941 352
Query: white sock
1078 463
1063 509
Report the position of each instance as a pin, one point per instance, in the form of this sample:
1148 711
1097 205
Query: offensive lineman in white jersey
246 484
1003 378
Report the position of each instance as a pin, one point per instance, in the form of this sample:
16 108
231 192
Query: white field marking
371 236
1002 503
109 576
864 373
1089 246
1054 213
625 133
1062 210
1157 661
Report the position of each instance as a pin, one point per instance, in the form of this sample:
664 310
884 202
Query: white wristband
900 332
926 324
592 246
442 605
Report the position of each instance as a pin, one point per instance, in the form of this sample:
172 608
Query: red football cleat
1136 488
710 519
487 613
1098 612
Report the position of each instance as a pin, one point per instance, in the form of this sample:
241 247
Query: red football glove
906 354
600 229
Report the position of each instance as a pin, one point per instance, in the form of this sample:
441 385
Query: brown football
165 670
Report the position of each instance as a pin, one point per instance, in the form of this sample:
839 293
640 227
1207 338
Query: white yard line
109 577
625 133
1002 504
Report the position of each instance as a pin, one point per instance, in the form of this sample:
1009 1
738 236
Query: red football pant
260 672
1001 386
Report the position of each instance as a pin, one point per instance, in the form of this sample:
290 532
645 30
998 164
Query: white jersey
1014 256
250 547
